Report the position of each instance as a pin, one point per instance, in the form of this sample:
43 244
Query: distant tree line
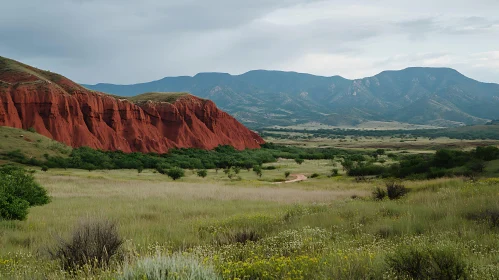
427 166
464 133
222 157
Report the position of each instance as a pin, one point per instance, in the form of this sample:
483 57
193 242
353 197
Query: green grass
31 144
15 67
169 97
492 169
397 144
312 229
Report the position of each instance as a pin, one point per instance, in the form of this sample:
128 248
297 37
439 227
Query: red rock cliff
62 110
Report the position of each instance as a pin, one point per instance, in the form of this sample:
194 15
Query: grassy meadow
321 228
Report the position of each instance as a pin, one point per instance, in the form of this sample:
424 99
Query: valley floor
321 228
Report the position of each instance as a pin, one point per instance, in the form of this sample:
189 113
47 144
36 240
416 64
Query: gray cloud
130 41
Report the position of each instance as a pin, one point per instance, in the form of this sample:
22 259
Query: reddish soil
298 178
62 110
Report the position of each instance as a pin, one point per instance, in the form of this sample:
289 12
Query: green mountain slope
263 98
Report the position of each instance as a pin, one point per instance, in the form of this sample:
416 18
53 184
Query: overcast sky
125 41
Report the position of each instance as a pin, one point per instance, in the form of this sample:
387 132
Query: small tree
258 170
299 160
45 168
286 174
347 165
202 173
140 168
237 169
175 173
229 172
477 166
334 172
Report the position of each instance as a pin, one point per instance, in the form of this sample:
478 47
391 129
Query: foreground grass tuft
161 267
92 243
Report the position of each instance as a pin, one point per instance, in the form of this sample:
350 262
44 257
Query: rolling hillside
434 96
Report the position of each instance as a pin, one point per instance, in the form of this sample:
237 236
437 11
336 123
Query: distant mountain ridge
417 95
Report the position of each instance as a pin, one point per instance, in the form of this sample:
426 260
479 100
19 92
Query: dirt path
298 178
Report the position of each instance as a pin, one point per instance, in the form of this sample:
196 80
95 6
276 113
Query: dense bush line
222 157
427 166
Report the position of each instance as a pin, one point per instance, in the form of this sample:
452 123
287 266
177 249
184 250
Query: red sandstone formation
65 111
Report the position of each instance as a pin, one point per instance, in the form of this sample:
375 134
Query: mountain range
260 98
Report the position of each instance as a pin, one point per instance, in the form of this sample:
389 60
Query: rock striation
69 113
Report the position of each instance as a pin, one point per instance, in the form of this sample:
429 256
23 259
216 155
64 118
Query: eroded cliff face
62 110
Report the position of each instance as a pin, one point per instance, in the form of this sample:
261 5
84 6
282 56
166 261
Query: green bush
18 192
202 173
286 174
175 173
299 160
335 172
173 267
258 170
427 263
12 208
270 167
314 175
45 168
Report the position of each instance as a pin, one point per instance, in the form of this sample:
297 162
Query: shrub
299 160
476 166
12 208
92 243
237 169
258 170
286 174
334 172
488 216
240 236
314 175
367 170
175 173
395 190
45 168
427 263
31 129
202 173
162 168
379 193
176 266
270 167
18 192
140 168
